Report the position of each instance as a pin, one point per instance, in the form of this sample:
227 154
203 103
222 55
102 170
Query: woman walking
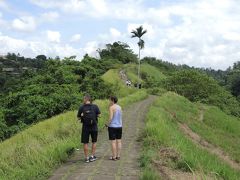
115 128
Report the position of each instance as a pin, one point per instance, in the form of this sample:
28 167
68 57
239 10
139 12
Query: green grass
146 69
217 127
152 71
162 131
120 89
35 152
221 130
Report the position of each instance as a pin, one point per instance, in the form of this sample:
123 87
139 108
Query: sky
200 33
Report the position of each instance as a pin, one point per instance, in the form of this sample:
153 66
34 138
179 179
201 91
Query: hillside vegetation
36 151
165 143
44 87
117 84
192 128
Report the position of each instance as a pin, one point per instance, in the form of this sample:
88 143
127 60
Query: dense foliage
39 88
197 86
56 87
32 89
119 52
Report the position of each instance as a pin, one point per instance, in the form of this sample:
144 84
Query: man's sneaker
92 158
87 160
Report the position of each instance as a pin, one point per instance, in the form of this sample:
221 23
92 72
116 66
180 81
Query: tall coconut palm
139 32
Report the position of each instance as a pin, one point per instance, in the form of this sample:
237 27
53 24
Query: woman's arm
110 115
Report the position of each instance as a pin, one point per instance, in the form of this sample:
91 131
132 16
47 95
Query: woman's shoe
112 158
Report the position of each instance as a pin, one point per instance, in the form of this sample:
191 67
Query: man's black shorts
86 134
114 133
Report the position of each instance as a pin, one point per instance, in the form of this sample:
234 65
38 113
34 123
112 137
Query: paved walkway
103 169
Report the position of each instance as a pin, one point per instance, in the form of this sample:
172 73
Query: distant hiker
88 113
139 85
128 82
115 127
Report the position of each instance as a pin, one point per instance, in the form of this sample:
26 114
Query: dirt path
103 169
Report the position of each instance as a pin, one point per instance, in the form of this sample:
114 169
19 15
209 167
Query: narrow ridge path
103 169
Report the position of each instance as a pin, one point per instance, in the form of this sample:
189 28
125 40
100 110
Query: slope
190 140
150 77
36 151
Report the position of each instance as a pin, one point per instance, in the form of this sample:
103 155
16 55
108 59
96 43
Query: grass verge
35 152
162 132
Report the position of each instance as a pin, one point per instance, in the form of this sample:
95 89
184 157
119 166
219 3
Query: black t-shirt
96 110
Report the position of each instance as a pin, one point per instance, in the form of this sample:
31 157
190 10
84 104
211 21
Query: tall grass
36 151
162 132
216 126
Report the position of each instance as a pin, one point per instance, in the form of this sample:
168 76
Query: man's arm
80 113
98 112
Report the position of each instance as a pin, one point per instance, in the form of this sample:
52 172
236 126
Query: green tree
197 86
118 52
139 32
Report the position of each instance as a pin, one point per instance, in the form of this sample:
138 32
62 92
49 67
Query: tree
41 57
139 32
198 86
118 51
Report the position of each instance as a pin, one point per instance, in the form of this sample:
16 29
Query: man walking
88 113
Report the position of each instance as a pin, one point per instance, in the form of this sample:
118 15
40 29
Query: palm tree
139 32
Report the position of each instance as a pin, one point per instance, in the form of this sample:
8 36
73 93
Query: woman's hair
114 99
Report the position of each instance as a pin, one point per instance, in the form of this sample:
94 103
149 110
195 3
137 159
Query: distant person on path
88 113
115 128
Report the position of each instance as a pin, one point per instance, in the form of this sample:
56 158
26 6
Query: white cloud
99 8
201 33
4 5
53 36
115 33
50 16
91 48
34 48
25 23
124 9
2 22
76 38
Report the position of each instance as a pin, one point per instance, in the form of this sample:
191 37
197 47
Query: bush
197 86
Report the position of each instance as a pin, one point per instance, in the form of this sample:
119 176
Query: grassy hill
36 151
168 141
112 77
147 72
150 76
167 144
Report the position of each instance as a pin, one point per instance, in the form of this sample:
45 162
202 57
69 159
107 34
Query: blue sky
201 33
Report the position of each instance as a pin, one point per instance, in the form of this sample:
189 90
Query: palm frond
139 32
134 34
144 32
